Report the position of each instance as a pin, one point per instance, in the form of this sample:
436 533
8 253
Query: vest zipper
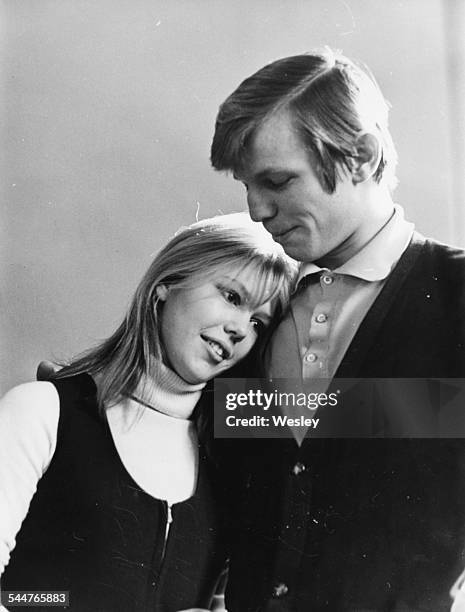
169 520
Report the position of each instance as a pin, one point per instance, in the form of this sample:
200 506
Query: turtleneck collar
166 392
159 447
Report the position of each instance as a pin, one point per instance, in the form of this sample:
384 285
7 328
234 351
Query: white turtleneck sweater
158 449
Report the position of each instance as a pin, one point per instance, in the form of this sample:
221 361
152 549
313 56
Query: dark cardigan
361 525
92 531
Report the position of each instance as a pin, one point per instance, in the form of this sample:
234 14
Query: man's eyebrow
272 170
264 172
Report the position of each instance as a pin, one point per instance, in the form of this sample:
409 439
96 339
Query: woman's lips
216 348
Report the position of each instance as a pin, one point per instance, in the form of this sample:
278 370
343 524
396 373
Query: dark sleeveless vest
92 531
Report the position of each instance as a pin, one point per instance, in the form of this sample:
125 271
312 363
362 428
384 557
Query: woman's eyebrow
265 316
248 298
241 287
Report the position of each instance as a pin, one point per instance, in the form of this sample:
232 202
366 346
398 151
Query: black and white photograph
232 305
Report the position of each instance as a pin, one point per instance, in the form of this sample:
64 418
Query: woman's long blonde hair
193 255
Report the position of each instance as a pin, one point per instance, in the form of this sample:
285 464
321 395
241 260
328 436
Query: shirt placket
315 337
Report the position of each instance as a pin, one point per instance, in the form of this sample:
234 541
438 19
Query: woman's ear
162 292
366 158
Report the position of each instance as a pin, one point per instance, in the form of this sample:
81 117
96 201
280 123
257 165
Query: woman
104 484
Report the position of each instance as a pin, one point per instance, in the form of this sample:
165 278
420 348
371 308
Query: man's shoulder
440 249
429 267
436 254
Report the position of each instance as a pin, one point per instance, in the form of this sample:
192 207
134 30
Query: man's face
284 193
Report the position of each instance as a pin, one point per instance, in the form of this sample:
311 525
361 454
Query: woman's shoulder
29 415
31 402
37 391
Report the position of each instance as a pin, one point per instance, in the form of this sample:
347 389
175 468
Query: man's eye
278 183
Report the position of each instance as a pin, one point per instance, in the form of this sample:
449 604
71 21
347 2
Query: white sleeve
457 593
28 431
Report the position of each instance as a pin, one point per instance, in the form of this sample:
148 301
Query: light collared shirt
329 306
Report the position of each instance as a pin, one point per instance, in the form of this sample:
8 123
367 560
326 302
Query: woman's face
208 328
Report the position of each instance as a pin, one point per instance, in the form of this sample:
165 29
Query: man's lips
281 234
217 348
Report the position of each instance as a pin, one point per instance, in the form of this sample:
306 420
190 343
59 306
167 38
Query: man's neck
379 211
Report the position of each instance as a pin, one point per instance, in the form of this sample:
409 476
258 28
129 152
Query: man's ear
366 158
162 292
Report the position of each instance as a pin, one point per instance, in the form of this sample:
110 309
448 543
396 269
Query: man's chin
296 246
299 252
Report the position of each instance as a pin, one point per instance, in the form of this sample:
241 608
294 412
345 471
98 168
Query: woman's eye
232 297
258 325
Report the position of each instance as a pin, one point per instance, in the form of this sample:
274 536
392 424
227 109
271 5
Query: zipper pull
169 516
169 520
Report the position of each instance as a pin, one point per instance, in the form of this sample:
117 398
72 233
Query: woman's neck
165 391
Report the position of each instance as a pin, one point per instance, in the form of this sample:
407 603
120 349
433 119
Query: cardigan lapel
366 333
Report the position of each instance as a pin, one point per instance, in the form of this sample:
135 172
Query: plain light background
107 115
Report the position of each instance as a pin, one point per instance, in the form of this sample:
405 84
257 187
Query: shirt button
280 590
327 279
298 468
321 318
311 357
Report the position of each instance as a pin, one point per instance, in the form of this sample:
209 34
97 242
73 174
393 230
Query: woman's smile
216 349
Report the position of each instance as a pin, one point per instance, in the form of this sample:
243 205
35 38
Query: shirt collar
376 259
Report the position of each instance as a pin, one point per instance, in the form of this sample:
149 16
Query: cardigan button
280 590
298 468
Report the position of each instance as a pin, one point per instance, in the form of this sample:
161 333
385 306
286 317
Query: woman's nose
236 327
260 205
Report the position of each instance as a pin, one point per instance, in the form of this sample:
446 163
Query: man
343 524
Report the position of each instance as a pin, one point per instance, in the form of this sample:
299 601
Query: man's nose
260 205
